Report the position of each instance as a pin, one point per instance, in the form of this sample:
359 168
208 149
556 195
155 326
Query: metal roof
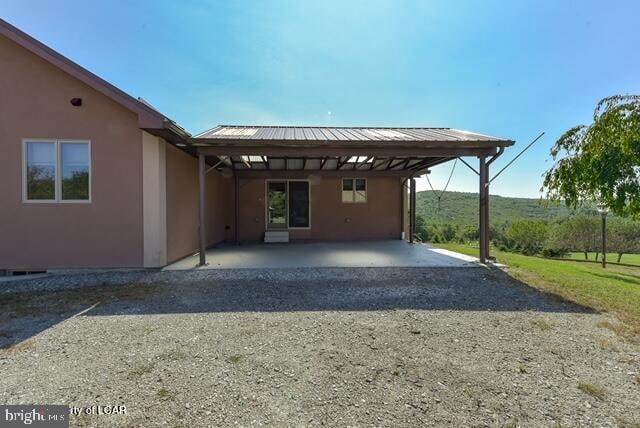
310 134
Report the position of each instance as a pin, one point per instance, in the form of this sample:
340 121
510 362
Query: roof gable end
147 116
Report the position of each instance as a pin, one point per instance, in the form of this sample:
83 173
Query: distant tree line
580 233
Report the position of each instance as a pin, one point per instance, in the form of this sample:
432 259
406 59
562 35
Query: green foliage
601 161
567 230
579 233
468 233
623 237
76 187
461 209
428 232
528 236
41 182
448 232
554 252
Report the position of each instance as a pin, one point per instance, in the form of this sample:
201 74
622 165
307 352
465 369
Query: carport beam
201 214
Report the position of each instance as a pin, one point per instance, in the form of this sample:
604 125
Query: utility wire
441 193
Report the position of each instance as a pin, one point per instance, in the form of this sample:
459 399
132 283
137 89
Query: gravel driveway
336 347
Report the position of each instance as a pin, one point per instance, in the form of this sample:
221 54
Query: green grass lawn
615 289
630 259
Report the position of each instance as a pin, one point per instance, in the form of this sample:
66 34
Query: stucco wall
34 103
154 207
182 205
331 219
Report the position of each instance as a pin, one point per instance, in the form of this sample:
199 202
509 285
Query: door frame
266 203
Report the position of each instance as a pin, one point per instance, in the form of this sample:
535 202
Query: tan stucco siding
154 207
108 232
182 205
331 219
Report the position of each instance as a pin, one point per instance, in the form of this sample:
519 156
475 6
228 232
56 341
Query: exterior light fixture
604 210
76 102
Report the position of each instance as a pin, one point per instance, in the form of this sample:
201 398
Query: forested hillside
457 208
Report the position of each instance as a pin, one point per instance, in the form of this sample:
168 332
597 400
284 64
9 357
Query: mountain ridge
461 208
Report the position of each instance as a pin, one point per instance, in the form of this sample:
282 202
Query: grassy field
630 259
616 289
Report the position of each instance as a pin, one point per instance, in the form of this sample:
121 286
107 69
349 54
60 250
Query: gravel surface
336 347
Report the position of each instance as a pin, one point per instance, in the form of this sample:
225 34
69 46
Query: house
91 177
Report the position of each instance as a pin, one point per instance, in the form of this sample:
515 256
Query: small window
354 190
360 190
56 171
75 171
41 171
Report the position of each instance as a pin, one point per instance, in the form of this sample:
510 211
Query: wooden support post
484 210
412 211
202 214
236 215
403 195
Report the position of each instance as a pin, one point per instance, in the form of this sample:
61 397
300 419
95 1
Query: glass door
299 204
276 205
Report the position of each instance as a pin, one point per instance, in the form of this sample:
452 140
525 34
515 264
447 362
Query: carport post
202 215
412 210
484 210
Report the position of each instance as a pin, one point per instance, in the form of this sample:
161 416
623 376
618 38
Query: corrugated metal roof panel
350 134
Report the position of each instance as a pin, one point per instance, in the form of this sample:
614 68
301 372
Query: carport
297 152
358 254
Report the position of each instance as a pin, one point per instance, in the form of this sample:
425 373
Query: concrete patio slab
327 254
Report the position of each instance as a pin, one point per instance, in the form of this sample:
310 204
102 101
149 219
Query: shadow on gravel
430 289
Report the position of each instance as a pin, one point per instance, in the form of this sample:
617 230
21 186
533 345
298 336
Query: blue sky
505 68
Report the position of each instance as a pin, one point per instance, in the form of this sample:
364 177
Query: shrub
529 236
555 252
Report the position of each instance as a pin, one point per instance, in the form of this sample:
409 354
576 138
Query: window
41 171
57 171
288 204
354 190
276 204
298 204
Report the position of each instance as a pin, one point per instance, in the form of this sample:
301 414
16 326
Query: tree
427 232
580 233
421 229
623 237
600 162
559 240
468 233
448 232
528 236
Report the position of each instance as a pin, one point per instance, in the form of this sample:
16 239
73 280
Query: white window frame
353 190
58 175
266 204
